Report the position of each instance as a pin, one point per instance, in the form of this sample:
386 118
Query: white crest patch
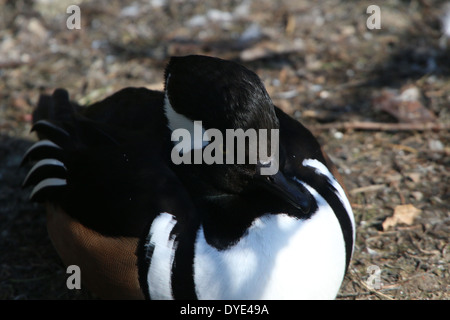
179 121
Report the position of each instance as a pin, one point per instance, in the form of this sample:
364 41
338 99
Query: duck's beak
279 185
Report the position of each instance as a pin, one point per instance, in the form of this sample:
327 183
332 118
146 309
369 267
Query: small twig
371 188
353 295
363 206
381 126
402 147
378 293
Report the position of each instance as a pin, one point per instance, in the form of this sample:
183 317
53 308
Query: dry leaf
403 214
405 105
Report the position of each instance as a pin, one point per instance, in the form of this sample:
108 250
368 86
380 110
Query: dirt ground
378 100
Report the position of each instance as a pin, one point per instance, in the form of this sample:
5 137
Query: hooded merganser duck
202 231
287 235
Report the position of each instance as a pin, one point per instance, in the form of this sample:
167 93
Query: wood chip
403 214
406 106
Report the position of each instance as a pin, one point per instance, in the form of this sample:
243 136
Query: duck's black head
225 96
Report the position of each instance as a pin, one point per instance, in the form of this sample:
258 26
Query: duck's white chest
279 258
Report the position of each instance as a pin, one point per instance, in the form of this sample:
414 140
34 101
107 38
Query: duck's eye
270 179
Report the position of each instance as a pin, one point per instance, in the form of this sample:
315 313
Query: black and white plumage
219 231
100 165
252 242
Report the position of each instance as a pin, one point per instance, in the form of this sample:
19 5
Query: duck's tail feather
55 107
48 174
